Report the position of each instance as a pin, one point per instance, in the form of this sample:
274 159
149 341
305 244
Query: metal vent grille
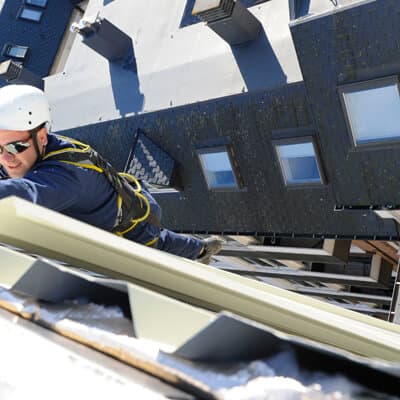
10 70
211 11
149 162
15 72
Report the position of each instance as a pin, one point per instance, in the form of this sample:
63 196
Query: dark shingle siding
348 46
354 45
247 121
43 38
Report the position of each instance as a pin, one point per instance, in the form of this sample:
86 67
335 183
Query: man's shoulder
57 142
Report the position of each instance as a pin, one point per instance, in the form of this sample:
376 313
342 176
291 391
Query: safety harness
133 206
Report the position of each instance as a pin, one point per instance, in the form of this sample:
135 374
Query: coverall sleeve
52 186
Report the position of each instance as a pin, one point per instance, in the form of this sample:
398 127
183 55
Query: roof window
15 51
218 168
299 161
30 14
363 102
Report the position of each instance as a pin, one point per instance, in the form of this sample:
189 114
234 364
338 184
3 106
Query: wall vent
229 19
149 162
15 73
211 11
106 39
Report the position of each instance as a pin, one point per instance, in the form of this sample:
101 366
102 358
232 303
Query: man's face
17 165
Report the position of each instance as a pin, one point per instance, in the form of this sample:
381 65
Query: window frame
30 3
9 46
299 136
21 10
367 85
228 149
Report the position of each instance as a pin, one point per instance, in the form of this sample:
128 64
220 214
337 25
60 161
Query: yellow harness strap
76 156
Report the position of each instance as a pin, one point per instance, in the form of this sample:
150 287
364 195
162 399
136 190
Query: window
30 14
15 51
37 3
217 167
372 110
299 162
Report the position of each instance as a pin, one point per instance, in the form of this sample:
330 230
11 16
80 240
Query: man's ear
42 136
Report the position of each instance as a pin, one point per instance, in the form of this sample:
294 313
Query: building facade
31 32
288 131
286 122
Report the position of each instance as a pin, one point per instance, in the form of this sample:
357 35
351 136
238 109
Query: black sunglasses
16 147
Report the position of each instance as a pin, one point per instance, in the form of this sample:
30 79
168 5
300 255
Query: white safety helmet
22 108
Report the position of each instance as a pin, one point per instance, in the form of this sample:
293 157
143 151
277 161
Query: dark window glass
299 163
217 168
363 102
15 51
31 14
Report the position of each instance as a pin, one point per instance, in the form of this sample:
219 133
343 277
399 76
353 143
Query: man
69 177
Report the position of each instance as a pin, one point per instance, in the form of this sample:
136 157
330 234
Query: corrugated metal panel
49 233
154 316
161 333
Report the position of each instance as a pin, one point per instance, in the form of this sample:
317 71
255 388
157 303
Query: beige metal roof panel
211 345
20 265
51 234
155 317
163 319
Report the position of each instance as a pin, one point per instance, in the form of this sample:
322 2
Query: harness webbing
133 206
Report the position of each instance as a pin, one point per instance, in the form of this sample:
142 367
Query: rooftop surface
175 66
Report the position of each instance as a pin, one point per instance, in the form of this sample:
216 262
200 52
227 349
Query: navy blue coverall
87 195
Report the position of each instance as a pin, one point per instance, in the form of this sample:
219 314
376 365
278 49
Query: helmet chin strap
33 134
36 145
